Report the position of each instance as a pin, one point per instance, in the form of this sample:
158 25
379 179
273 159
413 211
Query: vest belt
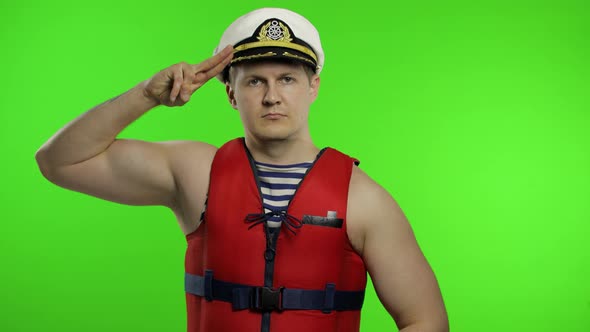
269 299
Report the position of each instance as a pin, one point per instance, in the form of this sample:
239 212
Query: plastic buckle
267 299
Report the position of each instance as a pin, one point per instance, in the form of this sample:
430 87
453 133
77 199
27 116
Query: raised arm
85 155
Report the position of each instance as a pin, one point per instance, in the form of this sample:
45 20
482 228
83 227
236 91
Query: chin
273 135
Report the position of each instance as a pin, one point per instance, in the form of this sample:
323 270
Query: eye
254 82
287 79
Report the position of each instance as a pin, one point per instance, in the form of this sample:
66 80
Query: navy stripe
300 165
277 197
274 207
277 185
280 175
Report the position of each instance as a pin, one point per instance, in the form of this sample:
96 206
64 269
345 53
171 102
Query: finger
204 76
186 88
214 60
200 78
178 78
218 68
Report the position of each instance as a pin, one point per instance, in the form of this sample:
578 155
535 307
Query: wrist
147 99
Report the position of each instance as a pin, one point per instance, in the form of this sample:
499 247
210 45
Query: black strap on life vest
272 299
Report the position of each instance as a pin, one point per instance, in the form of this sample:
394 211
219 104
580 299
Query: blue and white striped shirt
278 184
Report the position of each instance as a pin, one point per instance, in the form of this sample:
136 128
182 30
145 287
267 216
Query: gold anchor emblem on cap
275 31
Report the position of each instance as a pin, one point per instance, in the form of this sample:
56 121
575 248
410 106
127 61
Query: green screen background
474 116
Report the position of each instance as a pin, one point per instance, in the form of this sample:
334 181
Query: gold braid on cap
298 57
275 34
254 56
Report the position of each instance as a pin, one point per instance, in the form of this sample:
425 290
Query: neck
282 152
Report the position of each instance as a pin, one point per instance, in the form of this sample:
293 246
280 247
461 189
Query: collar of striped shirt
278 184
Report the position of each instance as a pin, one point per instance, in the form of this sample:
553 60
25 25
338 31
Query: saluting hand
175 85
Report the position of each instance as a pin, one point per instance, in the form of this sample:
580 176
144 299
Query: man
280 233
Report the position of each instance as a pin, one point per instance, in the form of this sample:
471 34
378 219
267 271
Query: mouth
273 116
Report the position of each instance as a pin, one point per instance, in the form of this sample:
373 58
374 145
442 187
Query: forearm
442 327
92 132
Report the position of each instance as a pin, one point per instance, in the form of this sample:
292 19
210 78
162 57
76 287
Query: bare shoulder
368 204
188 153
187 158
361 185
190 163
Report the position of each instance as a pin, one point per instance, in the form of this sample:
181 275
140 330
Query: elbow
41 161
43 168
442 328
439 323
434 322
44 164
426 327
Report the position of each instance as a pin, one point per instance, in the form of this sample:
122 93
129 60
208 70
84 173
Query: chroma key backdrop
475 116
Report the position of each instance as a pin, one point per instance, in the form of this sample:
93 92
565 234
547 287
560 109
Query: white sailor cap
272 33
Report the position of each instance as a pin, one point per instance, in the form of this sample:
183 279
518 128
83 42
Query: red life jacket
308 262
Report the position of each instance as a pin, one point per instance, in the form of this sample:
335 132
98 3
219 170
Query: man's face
273 99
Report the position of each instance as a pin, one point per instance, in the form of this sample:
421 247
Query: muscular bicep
130 172
402 277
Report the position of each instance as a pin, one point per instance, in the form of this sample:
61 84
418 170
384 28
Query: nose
271 97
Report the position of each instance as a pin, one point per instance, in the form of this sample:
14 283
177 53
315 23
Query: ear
314 87
231 96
